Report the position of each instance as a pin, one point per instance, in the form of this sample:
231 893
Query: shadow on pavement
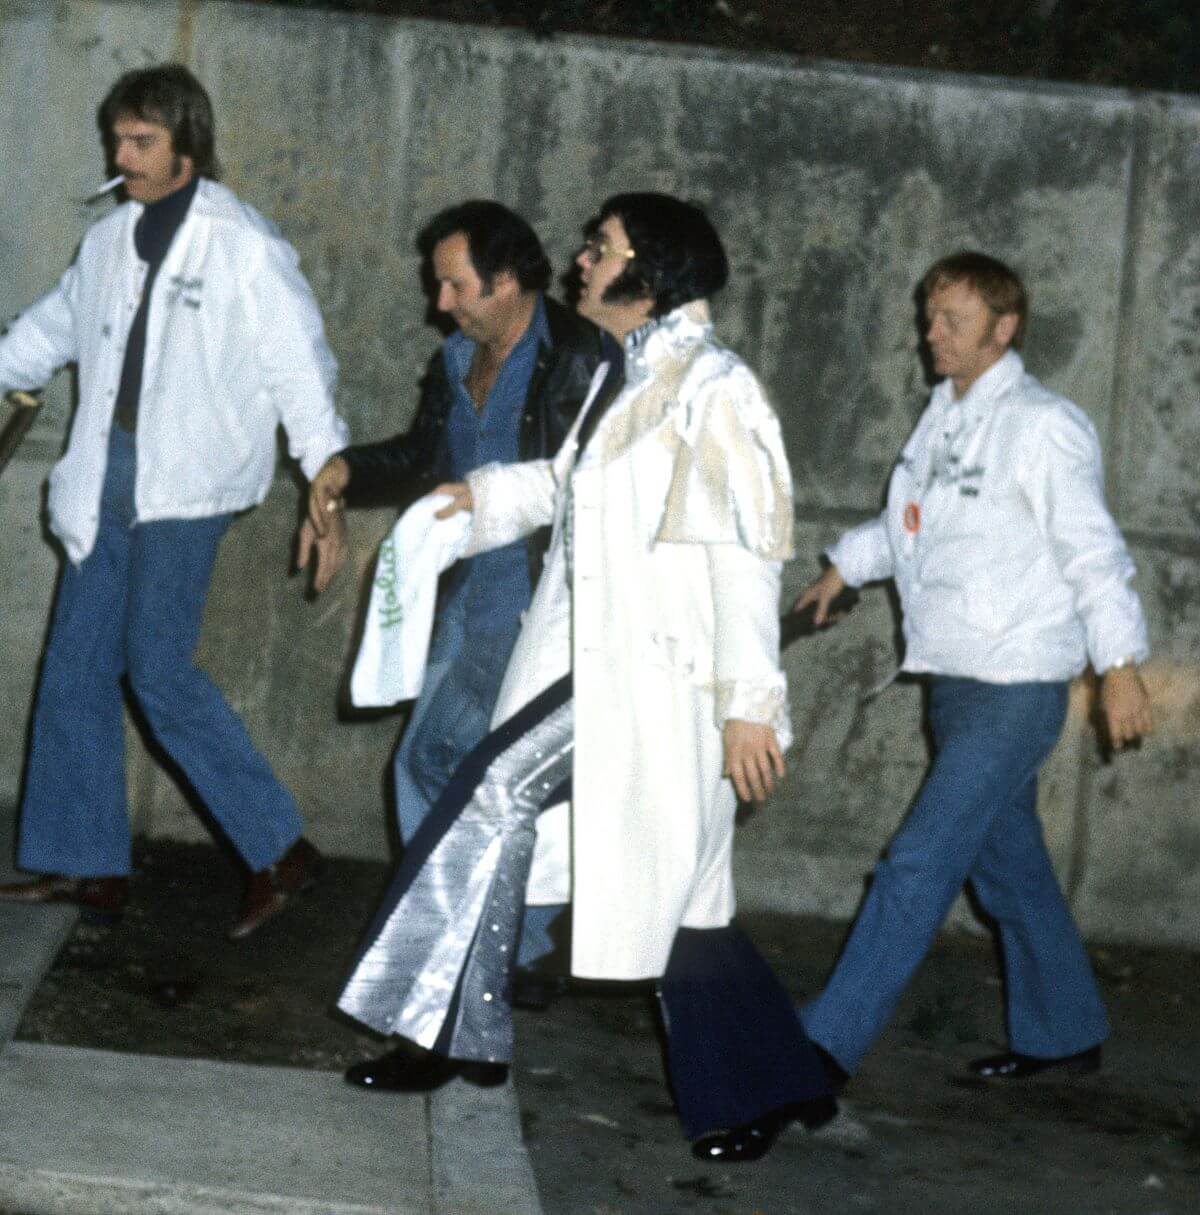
915 1135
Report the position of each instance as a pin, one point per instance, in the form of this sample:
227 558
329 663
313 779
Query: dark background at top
1141 43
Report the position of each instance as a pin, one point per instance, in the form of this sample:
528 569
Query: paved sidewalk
917 1135
101 1132
91 1132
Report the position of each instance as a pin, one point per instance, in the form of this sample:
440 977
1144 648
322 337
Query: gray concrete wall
835 187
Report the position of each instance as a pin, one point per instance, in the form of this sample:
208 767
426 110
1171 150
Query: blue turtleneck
152 236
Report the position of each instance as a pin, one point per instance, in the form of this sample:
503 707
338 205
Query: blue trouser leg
447 720
1053 1005
536 942
972 818
73 813
171 567
135 606
415 797
452 716
735 1050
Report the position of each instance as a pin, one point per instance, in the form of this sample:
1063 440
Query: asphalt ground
916 1133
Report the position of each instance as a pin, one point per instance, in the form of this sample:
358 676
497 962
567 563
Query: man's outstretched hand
324 554
460 492
753 760
822 593
1125 705
325 496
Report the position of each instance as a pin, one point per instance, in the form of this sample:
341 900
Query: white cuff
762 702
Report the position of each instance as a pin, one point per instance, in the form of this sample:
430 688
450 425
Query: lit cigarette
104 189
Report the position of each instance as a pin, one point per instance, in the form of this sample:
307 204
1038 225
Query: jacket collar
567 328
206 200
990 386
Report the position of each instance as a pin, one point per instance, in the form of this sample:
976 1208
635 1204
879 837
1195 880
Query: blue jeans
133 609
450 718
975 819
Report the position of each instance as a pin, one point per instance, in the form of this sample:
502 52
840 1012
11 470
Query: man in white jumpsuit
645 687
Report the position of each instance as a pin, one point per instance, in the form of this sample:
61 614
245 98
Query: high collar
160 220
666 337
170 205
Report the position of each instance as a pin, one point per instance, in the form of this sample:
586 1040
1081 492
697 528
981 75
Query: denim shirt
489 592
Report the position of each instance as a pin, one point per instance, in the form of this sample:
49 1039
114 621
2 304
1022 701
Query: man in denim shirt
505 386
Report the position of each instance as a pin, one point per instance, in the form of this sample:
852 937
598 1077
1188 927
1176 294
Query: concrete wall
834 187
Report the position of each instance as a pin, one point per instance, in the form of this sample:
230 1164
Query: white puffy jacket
1008 564
234 346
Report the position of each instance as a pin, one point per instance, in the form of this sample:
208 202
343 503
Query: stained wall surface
834 188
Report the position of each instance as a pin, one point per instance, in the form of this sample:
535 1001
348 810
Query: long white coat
661 592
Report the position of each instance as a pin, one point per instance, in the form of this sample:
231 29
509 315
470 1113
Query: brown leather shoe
268 890
100 900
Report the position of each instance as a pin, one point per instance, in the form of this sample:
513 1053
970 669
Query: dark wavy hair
678 256
1000 288
498 240
170 95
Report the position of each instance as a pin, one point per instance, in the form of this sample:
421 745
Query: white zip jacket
234 346
1009 566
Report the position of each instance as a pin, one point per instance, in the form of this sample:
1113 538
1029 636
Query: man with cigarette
505 386
195 336
1012 576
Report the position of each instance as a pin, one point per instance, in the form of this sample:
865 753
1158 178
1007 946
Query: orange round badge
912 518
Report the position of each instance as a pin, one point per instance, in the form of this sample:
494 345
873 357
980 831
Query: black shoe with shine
740 1145
409 1069
753 1140
1014 1066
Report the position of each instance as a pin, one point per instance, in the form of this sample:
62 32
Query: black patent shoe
1014 1066
753 1140
410 1069
740 1145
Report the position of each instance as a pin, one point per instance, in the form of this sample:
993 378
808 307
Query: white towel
390 666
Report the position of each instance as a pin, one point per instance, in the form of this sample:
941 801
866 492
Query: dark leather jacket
396 470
